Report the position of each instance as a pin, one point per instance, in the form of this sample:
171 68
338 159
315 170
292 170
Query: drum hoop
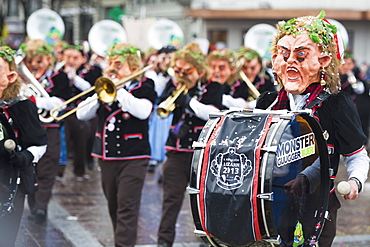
321 212
325 180
204 173
269 140
198 152
256 224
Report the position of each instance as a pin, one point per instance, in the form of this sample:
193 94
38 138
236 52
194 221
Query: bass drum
246 187
9 176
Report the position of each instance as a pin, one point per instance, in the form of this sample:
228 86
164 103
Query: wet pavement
78 216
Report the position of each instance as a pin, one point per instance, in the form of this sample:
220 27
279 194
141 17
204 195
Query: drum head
248 175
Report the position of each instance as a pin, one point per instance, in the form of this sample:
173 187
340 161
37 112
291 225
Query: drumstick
344 188
285 187
9 145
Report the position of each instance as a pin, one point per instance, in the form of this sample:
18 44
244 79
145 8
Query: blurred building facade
219 21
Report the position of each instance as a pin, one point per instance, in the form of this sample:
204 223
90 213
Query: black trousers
80 137
176 174
122 183
46 169
330 227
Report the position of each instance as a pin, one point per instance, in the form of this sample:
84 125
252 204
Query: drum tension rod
200 233
266 196
326 216
192 191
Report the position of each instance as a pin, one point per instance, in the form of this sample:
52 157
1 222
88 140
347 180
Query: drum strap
318 100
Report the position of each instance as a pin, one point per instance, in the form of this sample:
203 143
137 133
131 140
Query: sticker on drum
260 179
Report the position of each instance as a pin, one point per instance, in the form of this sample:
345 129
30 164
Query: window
217 38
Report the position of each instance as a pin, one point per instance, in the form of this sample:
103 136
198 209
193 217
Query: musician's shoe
90 164
39 216
31 216
152 165
82 178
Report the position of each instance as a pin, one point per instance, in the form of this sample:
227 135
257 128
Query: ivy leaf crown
198 56
44 50
248 53
124 52
224 53
7 53
320 32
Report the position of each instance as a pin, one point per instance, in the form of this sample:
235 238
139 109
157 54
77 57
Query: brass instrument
32 88
252 89
59 65
254 93
105 91
166 107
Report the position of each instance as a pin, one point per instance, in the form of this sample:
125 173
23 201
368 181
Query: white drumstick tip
344 188
9 145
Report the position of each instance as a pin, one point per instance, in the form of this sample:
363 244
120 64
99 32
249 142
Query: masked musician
203 97
254 70
58 48
222 66
306 60
79 134
30 137
158 128
39 61
121 141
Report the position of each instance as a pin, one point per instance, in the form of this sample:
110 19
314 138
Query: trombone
166 107
105 90
252 89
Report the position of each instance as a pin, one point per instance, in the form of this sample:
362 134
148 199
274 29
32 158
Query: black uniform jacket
89 74
337 115
119 135
24 120
238 90
56 84
210 93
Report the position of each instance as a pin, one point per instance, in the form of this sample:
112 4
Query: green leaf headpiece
7 53
223 54
248 53
320 32
44 50
124 52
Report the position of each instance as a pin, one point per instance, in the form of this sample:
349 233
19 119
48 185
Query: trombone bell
105 89
166 107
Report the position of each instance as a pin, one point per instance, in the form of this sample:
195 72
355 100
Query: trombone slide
252 89
105 91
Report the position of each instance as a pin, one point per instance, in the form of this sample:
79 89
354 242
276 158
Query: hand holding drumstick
348 189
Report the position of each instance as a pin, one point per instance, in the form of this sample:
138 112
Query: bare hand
297 186
354 191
